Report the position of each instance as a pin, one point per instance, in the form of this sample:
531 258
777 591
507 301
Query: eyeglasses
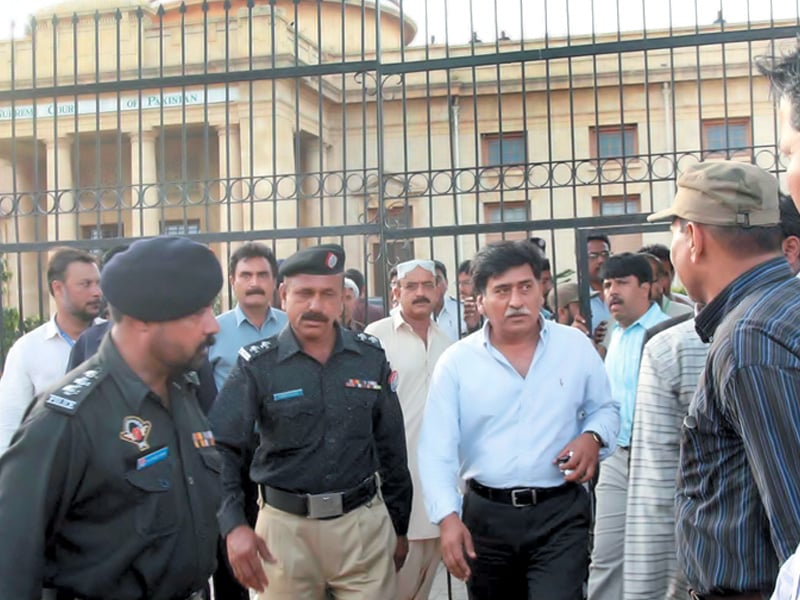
413 286
596 255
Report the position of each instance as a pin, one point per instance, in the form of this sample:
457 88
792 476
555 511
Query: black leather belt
518 497
732 596
51 594
321 506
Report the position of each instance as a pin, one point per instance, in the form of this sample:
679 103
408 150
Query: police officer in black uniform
110 487
330 459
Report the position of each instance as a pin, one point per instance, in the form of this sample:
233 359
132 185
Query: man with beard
413 343
626 283
252 277
110 486
39 358
330 453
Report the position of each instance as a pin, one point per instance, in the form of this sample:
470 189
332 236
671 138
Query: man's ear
697 238
282 294
479 304
791 249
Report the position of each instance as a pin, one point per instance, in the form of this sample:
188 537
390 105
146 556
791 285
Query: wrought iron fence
416 128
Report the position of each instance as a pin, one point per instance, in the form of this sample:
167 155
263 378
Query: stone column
232 206
62 213
145 202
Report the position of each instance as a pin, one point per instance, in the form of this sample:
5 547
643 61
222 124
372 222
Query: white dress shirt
35 362
450 316
414 362
788 585
484 421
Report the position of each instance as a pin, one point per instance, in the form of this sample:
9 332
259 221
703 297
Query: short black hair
742 241
497 258
597 236
254 250
357 277
464 267
661 252
62 259
111 253
392 273
783 72
440 267
656 264
627 264
545 264
790 218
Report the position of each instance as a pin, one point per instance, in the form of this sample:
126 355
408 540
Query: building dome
69 7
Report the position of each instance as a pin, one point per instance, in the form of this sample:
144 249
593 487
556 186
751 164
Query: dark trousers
538 552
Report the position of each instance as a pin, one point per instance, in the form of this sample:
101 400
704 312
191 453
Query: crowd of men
644 451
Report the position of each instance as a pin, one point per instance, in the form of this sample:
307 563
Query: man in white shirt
39 358
522 410
413 344
448 312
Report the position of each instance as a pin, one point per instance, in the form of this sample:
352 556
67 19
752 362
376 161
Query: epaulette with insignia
69 396
255 349
369 339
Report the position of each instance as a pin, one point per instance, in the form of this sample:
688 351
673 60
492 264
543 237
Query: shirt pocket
156 512
291 424
358 411
210 484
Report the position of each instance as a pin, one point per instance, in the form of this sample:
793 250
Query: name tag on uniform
288 394
150 459
362 384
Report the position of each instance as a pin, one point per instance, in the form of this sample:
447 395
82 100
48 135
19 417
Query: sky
527 18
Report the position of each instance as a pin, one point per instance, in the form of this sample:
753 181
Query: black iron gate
399 129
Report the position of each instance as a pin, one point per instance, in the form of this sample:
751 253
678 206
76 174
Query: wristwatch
597 438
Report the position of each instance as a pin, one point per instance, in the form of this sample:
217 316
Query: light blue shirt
484 421
236 331
599 310
622 365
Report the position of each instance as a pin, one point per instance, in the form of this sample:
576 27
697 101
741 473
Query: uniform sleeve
233 420
16 393
438 444
390 442
38 475
602 413
762 400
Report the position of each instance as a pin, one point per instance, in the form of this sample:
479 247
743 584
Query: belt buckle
517 503
323 506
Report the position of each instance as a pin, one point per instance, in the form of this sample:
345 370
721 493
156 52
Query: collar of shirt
485 339
51 329
288 345
398 321
134 389
652 316
241 317
767 273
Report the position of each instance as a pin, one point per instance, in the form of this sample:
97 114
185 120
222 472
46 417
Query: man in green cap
738 500
329 455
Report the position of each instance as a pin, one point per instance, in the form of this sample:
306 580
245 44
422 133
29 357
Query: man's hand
472 317
245 552
599 333
579 323
456 544
583 463
400 552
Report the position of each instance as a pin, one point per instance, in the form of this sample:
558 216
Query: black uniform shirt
322 428
105 493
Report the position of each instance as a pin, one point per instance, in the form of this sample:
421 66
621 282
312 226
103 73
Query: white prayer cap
404 268
351 285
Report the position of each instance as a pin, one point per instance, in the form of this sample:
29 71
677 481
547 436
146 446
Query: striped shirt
738 494
672 362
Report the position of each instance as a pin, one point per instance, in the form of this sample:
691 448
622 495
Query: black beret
162 279
325 259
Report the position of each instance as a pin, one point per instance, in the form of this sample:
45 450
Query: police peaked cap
162 279
325 259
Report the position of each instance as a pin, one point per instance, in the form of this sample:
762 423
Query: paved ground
439 591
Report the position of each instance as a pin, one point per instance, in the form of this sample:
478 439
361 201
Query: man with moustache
252 271
522 411
413 343
330 453
736 503
110 486
39 358
627 279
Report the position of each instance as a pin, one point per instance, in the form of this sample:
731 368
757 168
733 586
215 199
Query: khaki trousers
415 579
351 555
